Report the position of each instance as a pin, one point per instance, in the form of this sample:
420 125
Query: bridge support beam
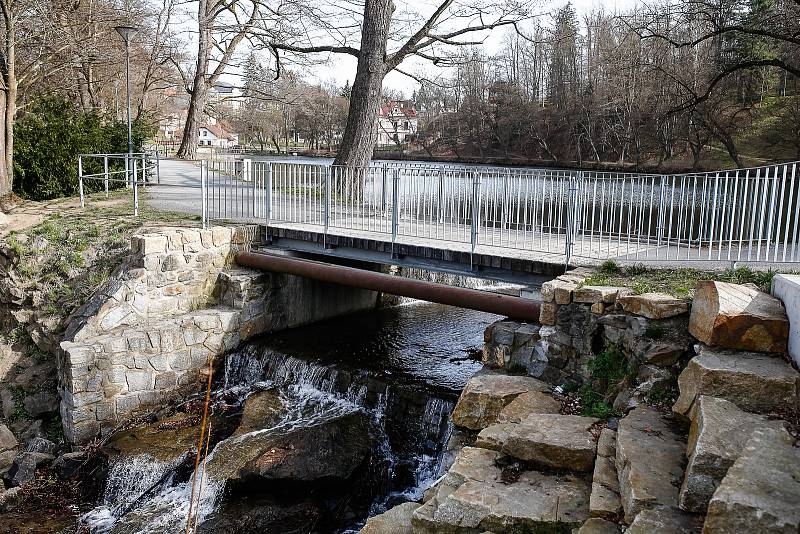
507 305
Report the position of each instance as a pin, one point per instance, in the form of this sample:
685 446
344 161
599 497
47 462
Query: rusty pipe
507 305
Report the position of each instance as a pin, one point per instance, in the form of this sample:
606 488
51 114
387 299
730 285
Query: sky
341 68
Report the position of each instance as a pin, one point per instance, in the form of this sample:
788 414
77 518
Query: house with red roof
397 123
216 136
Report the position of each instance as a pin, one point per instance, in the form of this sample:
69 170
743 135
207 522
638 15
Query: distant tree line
645 88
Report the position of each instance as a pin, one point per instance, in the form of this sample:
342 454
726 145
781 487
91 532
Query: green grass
610 365
593 404
66 258
676 282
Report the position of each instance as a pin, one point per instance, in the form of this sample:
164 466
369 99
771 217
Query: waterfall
129 479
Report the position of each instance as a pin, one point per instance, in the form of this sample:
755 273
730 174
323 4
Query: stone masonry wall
577 321
175 304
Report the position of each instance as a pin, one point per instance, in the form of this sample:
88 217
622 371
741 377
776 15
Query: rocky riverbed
313 430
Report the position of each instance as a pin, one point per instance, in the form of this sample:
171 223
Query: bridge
520 225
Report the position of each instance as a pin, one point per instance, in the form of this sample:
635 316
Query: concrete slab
786 287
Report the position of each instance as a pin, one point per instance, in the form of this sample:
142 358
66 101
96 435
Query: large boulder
396 520
486 394
473 497
650 459
256 514
262 409
554 441
738 317
331 449
717 436
755 382
761 491
653 305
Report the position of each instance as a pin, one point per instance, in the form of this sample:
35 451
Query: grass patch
593 404
676 282
610 365
64 259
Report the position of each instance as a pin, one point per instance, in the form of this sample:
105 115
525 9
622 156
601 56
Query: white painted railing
746 215
139 169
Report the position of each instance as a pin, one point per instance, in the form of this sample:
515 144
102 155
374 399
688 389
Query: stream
357 409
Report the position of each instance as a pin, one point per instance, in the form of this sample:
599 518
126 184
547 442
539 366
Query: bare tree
387 37
222 26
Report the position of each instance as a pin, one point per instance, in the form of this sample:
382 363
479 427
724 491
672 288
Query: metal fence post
327 205
204 193
127 171
439 203
476 199
268 194
105 173
144 170
395 206
158 167
571 215
384 172
661 210
135 190
80 179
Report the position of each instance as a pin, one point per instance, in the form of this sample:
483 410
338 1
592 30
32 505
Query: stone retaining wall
171 307
577 321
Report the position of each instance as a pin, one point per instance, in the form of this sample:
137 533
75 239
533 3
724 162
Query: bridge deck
433 239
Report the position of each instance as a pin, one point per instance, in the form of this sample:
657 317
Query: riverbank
625 411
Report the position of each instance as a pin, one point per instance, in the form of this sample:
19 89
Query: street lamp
127 33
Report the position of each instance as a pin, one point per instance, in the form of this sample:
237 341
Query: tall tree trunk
200 86
8 99
360 135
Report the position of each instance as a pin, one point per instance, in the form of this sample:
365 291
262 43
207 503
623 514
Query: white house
397 122
226 95
214 135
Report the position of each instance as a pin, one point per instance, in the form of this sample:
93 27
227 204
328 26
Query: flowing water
402 367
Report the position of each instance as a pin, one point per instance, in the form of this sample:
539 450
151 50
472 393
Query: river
401 368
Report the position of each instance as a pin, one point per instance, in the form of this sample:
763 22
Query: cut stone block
761 491
738 317
755 382
396 520
486 394
599 294
605 500
493 437
717 436
530 402
471 498
665 521
554 441
650 458
547 313
653 305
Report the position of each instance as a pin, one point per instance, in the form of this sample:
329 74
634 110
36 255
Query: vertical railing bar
780 214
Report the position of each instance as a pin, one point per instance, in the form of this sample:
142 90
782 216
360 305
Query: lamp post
127 33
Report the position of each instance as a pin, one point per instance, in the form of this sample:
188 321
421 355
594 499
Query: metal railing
118 170
746 215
